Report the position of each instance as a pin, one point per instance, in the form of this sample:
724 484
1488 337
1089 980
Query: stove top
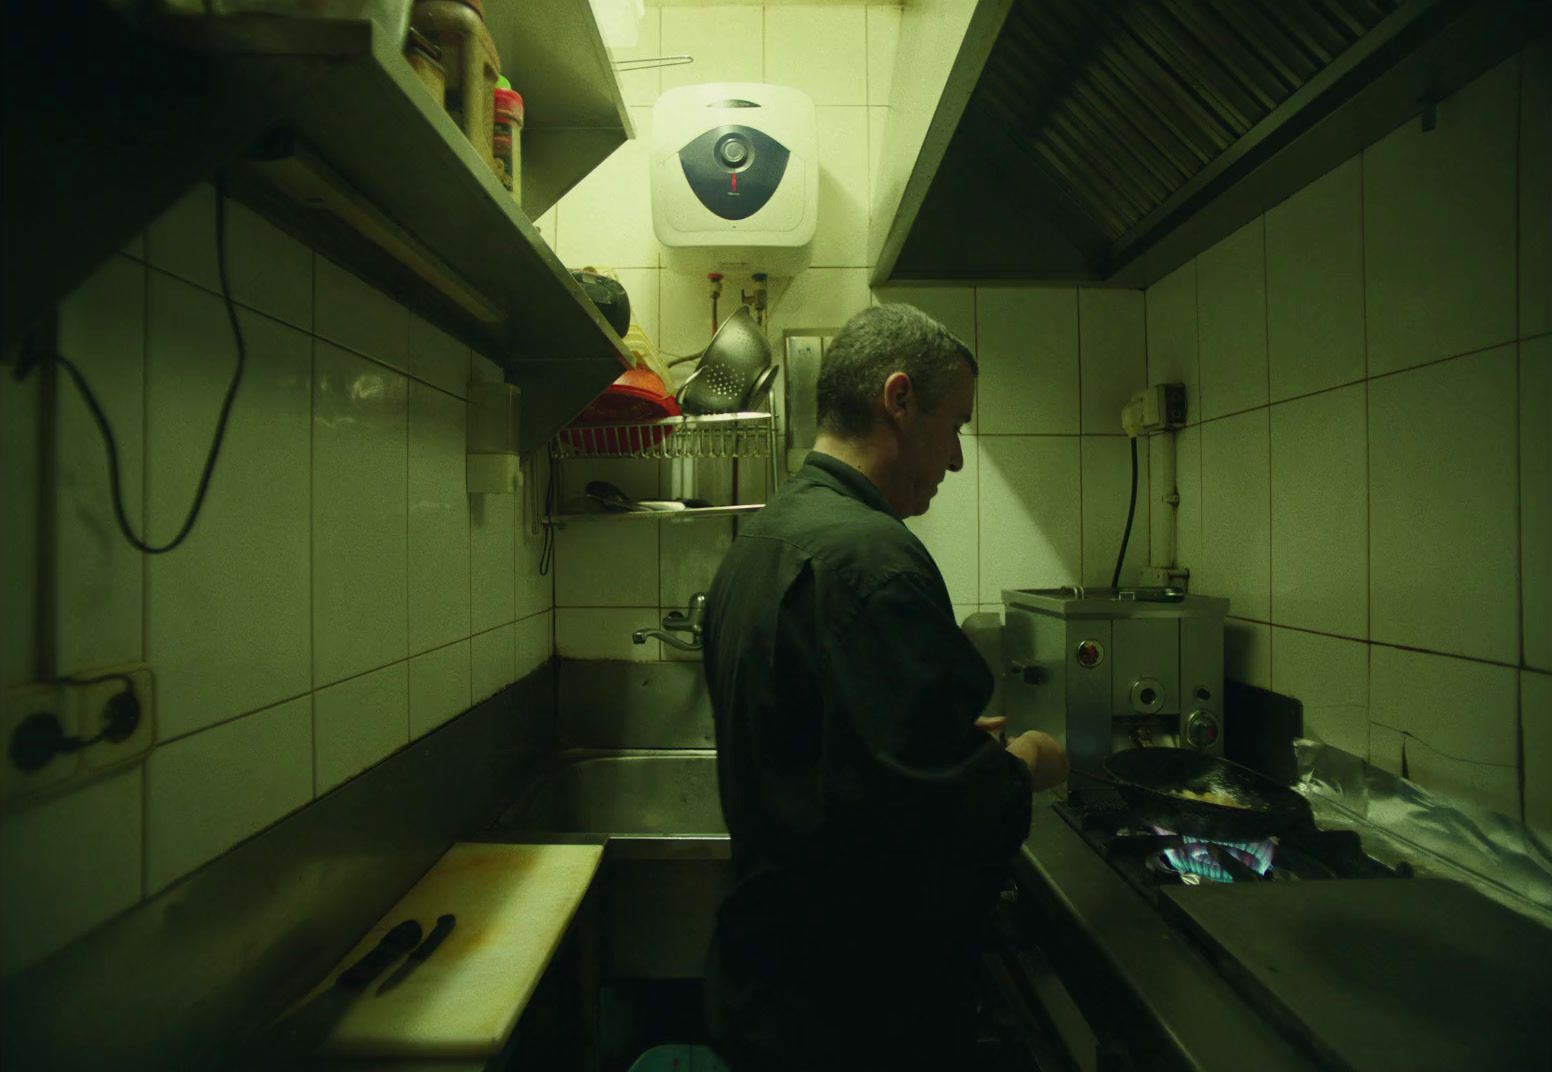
1154 859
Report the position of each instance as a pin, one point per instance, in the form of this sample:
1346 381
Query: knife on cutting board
301 1030
444 927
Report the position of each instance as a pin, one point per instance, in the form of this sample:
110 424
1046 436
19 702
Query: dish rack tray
720 435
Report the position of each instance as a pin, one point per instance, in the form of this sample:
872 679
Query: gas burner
1151 859
1213 860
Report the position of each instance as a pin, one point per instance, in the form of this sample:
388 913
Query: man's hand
991 723
1043 755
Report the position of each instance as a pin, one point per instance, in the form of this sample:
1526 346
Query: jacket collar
833 473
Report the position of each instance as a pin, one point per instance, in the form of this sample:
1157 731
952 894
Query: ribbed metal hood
1112 140
1123 104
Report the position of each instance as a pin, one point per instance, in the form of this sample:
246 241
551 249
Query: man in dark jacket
872 816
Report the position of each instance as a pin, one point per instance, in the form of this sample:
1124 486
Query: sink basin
667 849
637 792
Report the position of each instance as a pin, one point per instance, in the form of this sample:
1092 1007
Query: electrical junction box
1156 409
735 178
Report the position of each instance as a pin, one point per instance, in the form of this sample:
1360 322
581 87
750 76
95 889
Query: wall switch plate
17 705
91 704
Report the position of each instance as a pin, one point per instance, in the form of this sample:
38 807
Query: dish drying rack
733 437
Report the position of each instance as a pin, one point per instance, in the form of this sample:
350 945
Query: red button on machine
1090 654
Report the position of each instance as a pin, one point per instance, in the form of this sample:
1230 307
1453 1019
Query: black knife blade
444 927
393 945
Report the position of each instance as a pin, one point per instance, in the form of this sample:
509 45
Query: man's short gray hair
876 343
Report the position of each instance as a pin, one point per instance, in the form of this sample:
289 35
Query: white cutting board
513 903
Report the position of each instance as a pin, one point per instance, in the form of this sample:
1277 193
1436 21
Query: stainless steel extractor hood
1084 140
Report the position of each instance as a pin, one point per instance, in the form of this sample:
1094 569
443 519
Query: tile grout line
1458 656
1519 452
312 626
1266 370
1368 473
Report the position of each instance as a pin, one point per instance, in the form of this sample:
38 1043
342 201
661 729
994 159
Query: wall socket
91 702
82 709
17 705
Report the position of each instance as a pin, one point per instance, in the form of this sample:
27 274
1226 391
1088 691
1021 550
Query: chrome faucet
685 621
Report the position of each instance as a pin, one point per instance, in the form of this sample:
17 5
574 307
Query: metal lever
686 621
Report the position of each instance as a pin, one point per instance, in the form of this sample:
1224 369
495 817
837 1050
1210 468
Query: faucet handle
689 619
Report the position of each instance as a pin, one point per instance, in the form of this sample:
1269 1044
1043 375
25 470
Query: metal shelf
561 520
411 207
677 441
714 436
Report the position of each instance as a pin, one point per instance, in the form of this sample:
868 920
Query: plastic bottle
507 142
470 63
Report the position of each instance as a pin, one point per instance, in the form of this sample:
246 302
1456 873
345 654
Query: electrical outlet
92 702
17 706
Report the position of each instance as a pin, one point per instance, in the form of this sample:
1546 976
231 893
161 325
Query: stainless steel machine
1104 670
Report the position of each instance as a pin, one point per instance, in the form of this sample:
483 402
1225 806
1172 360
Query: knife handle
444 927
393 945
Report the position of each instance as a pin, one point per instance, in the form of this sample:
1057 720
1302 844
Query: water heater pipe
1166 500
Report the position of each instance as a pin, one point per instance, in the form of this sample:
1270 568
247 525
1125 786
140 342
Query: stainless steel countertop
1130 971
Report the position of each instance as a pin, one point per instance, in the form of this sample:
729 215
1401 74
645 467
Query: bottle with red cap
506 142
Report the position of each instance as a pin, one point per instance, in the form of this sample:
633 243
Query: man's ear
899 395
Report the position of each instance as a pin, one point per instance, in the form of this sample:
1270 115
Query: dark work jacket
871 822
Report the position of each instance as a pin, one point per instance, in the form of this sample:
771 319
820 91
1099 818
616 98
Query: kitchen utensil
514 904
612 498
1150 781
729 367
397 942
761 387
609 296
299 1032
444 926
638 396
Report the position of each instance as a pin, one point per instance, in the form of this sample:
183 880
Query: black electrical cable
110 444
1131 512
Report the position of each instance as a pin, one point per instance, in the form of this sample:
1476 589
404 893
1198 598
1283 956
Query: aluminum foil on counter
1398 820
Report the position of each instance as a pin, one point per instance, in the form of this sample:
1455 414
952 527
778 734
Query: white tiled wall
1035 504
1368 472
339 596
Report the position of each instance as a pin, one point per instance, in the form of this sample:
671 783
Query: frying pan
1148 780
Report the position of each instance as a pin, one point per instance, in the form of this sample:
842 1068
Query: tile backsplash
1366 475
340 595
1042 498
1367 472
1367 363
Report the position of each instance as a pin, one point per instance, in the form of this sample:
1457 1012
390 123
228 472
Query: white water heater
735 177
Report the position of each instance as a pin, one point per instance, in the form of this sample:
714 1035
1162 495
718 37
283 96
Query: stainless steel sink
667 860
621 793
